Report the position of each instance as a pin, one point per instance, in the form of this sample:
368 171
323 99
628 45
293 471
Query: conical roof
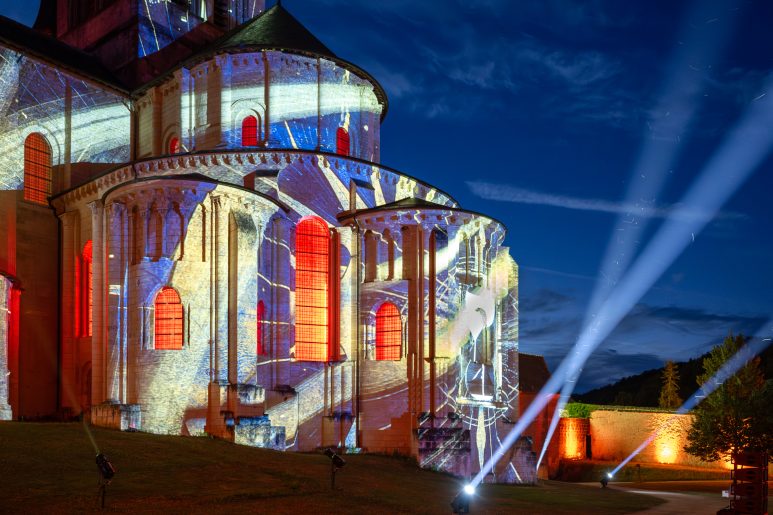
278 29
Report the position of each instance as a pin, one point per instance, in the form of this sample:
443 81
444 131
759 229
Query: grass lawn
49 468
593 470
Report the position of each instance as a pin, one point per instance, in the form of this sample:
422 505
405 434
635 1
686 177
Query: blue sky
540 113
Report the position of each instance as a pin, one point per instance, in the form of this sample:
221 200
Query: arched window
169 320
260 316
389 333
87 289
342 142
37 169
174 145
311 290
250 132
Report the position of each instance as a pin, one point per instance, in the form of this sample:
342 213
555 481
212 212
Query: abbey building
197 237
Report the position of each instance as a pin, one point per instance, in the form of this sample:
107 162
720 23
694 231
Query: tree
623 398
669 392
736 416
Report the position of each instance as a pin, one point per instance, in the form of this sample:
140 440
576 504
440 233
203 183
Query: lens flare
469 489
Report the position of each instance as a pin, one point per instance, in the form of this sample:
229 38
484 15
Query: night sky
539 113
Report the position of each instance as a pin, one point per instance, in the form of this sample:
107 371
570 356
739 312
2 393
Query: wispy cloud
507 193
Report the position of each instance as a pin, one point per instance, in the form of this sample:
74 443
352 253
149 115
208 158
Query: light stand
336 462
106 472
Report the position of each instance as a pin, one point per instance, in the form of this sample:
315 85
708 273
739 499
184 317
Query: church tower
139 39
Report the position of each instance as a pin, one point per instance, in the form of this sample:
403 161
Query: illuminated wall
87 127
212 311
573 438
616 434
299 103
5 320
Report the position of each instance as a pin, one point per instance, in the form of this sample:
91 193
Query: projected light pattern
255 275
36 99
161 22
728 370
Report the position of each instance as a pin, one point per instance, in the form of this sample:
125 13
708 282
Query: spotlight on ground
106 469
106 473
461 503
336 463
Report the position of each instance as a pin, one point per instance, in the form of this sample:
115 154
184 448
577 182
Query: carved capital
96 207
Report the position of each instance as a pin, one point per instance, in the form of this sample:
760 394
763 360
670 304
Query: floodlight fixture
105 468
461 503
469 489
106 473
336 463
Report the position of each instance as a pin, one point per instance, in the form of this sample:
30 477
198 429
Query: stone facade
193 299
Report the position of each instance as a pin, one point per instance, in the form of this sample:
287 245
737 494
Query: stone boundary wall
616 434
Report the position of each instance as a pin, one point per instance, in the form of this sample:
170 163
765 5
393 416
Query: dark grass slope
50 468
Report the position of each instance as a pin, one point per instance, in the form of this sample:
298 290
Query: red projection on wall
342 142
169 320
37 169
260 315
174 146
389 333
87 289
311 290
250 132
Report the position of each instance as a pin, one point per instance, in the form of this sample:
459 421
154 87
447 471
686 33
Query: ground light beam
728 370
741 152
676 109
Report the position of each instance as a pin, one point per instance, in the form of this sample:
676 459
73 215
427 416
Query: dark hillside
643 389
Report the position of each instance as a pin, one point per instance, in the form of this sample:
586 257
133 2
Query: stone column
71 286
115 302
220 234
183 77
224 82
98 393
5 319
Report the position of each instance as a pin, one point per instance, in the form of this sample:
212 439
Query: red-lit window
37 169
169 320
311 290
174 145
389 332
250 132
342 142
87 289
260 315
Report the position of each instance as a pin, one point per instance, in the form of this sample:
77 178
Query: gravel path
679 503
